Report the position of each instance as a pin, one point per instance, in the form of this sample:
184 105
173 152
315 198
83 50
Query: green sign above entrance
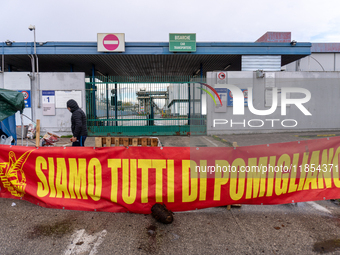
182 42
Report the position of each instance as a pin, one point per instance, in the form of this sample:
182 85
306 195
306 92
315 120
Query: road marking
82 243
319 207
75 239
99 242
210 141
203 210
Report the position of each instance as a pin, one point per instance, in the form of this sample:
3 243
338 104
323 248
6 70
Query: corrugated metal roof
133 65
148 59
265 63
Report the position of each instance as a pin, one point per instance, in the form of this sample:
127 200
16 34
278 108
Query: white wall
324 104
59 123
317 62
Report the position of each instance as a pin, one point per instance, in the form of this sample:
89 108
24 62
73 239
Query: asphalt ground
217 140
300 228
257 139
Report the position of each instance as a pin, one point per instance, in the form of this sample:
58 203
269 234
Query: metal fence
143 106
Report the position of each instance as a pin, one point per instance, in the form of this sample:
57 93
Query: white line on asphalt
204 210
210 141
75 239
319 207
82 243
99 242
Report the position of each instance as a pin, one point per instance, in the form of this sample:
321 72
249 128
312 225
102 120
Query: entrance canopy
143 59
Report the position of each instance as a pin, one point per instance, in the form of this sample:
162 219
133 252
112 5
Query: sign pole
22 129
37 136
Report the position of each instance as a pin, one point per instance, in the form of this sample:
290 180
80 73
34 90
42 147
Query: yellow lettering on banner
145 164
94 179
312 172
335 168
292 185
129 181
51 175
237 191
203 181
256 177
171 181
271 173
303 170
41 164
219 180
114 164
325 173
189 195
77 178
281 180
159 165
61 179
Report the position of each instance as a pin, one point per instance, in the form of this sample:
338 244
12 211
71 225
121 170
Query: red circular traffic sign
25 93
111 42
221 76
245 93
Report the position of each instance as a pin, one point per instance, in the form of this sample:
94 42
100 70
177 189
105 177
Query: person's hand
73 139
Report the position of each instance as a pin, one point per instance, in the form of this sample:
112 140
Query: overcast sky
153 20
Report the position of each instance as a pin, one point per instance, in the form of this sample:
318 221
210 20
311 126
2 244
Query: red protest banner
119 179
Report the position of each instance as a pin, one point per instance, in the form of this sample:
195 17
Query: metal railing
158 104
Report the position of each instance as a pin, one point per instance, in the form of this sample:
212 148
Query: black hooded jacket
78 119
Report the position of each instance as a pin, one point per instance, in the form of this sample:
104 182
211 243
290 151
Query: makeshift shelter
10 102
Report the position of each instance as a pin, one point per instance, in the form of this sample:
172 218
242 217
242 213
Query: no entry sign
27 97
111 42
221 78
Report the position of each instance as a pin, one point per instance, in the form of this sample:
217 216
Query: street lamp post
32 28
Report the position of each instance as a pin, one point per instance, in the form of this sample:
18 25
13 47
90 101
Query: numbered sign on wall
48 102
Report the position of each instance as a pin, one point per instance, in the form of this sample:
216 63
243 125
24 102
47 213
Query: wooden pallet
125 141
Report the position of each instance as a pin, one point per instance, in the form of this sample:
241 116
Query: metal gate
131 106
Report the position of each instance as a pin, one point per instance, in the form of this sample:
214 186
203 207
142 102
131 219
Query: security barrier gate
132 106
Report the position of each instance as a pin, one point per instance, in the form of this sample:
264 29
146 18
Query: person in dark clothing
78 123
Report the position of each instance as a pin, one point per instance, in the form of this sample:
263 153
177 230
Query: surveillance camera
31 27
